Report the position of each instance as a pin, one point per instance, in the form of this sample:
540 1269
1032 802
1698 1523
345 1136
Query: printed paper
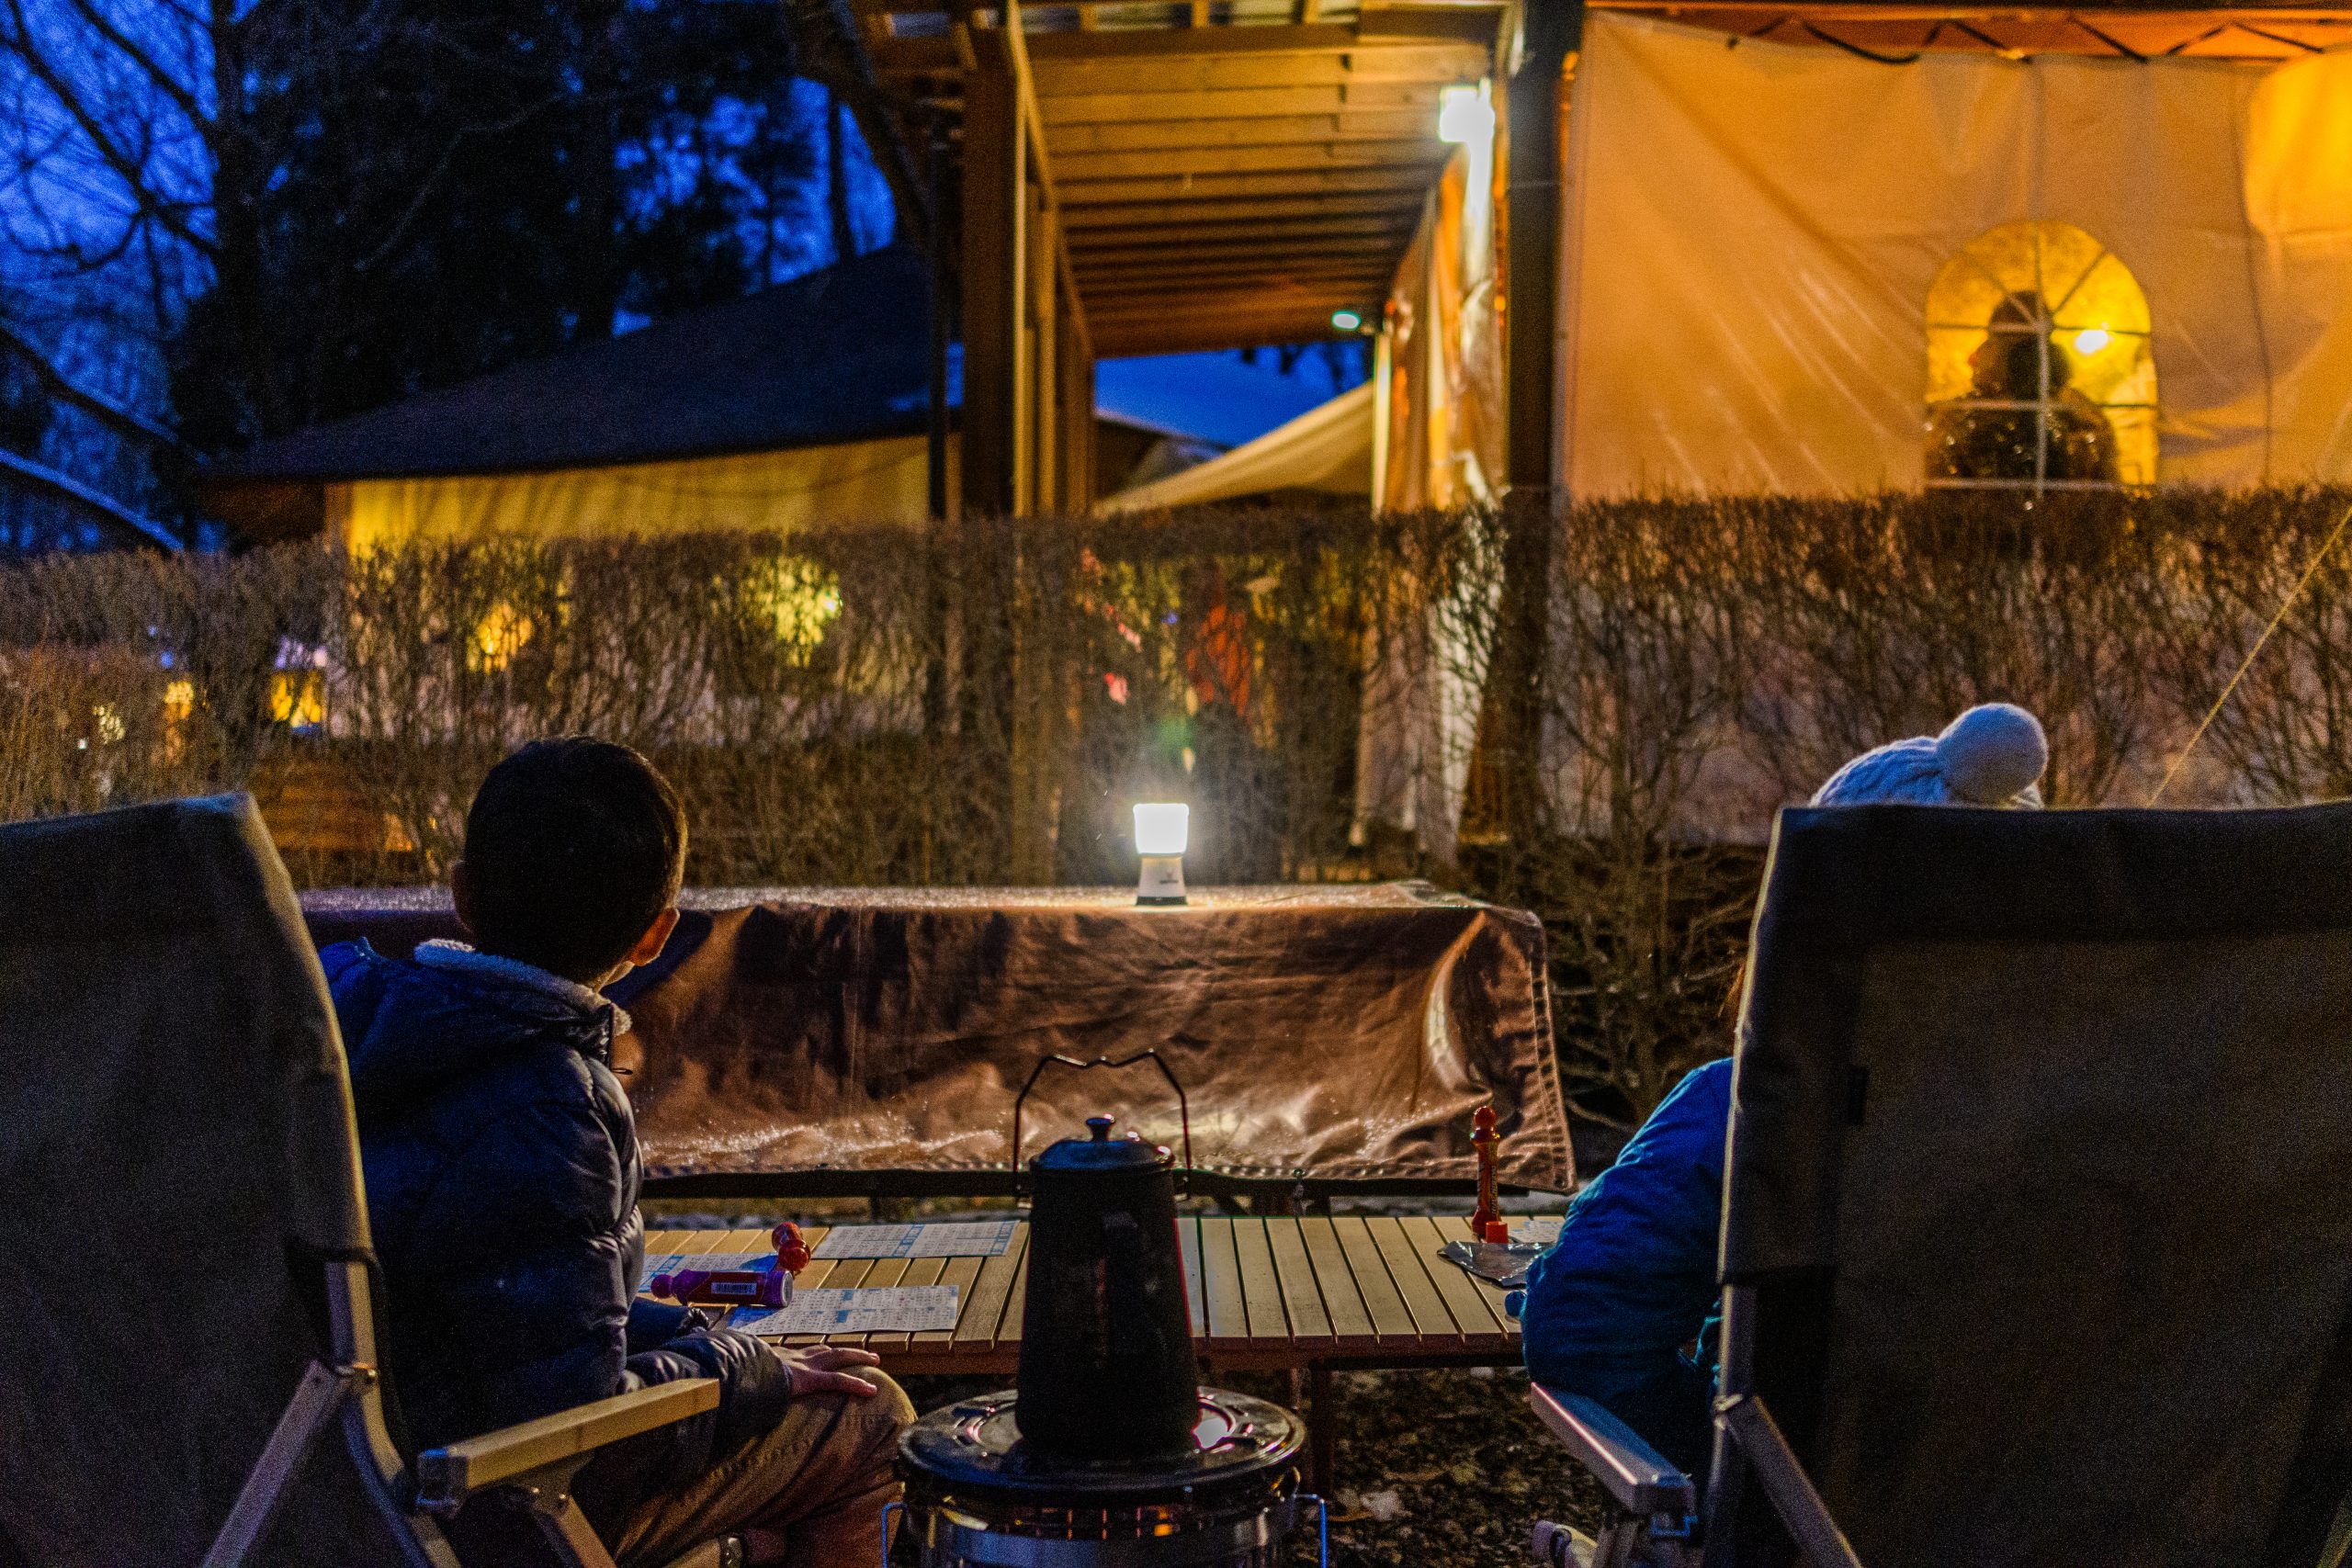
950 1238
883 1309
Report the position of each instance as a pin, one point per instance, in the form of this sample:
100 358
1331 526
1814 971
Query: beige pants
820 1479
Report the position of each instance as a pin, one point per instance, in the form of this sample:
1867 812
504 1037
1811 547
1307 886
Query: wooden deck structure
1151 178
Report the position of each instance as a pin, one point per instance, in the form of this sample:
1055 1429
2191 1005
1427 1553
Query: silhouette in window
2023 418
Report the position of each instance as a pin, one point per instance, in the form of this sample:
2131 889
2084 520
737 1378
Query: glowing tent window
2038 373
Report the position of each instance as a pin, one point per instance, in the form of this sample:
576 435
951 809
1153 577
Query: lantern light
1466 114
1347 321
1160 834
2091 341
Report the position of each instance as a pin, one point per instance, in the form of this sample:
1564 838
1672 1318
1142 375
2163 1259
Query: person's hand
817 1369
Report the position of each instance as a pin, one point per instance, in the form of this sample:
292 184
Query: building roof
836 356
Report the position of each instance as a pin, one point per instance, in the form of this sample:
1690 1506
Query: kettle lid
1101 1152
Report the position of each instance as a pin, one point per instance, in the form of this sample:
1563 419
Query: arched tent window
2039 372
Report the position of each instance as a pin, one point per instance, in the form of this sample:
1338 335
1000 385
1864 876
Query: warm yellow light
298 698
1162 830
1466 114
796 597
499 637
2091 340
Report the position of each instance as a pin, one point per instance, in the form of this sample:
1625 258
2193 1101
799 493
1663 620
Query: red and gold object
769 1287
1487 1224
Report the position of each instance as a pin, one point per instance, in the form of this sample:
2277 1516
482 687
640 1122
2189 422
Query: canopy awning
1328 448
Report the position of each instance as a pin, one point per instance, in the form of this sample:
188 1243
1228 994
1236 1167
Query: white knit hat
1991 755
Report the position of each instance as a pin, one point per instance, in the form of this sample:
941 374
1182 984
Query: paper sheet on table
709 1262
883 1309
957 1238
1537 1232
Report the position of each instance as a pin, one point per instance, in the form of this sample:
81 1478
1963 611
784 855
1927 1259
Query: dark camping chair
2038 1236
187 1366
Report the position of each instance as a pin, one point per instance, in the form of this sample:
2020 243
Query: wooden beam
1280 131
1196 66
1180 107
1097 244
1113 316
1223 187
1061 71
1179 215
994 208
1165 261
1426 157
1535 99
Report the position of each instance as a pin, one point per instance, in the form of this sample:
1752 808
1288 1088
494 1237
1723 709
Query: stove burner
977 1494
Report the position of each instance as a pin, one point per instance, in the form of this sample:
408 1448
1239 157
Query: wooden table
1307 1293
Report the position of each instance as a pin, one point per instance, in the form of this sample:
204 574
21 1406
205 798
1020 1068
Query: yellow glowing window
2039 369
298 697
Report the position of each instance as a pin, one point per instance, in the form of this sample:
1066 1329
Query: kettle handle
1183 1106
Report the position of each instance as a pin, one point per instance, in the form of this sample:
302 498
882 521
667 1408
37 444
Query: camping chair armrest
447 1477
1637 1475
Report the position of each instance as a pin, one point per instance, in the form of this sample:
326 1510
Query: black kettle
1106 1341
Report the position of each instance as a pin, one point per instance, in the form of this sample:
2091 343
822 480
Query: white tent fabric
1327 448
863 481
1752 231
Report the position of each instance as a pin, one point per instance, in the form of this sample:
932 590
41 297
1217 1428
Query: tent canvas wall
1752 231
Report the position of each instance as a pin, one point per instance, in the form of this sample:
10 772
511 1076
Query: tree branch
133 177
47 481
106 410
177 92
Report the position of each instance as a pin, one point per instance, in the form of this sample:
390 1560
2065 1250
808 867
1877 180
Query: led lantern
1160 833
1465 114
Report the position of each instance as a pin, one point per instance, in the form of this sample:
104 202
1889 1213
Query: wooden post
1533 101
994 209
1538 498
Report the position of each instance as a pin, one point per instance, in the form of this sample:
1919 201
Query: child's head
574 851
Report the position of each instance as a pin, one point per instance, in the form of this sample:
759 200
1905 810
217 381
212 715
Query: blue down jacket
501 1170
1632 1280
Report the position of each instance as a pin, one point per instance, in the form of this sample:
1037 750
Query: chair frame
531 1464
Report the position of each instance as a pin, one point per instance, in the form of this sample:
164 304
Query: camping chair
2037 1244
188 1351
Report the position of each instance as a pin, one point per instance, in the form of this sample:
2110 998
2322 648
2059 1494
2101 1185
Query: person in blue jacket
1620 1308
501 1169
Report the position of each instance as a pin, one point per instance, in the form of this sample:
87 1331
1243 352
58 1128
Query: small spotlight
2091 341
1465 114
1347 321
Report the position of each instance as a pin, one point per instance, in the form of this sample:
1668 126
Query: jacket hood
410 1030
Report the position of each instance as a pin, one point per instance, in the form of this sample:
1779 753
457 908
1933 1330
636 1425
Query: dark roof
836 356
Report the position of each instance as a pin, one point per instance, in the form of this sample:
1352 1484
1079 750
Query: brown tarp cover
2059 1107
1342 1034
176 1141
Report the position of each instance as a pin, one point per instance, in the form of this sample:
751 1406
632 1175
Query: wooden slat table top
1272 1292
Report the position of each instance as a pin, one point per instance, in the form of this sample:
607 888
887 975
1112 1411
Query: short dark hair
573 847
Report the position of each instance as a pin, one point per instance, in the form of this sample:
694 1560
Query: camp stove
1109 1453
977 1495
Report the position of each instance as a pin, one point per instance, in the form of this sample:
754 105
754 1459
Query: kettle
1106 1341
